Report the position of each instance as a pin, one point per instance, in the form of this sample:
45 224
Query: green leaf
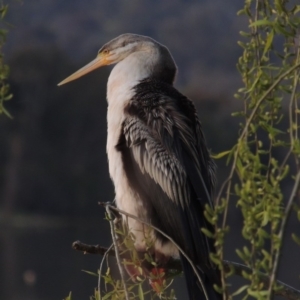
262 23
265 218
90 273
258 294
241 44
296 238
140 291
221 154
296 9
241 254
97 295
241 12
246 34
209 218
207 232
240 290
3 109
69 297
269 41
3 10
215 258
281 29
285 172
279 6
108 296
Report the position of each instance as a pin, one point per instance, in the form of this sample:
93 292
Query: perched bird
158 158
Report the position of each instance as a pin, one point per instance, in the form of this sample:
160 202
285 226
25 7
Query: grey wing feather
185 218
163 167
168 164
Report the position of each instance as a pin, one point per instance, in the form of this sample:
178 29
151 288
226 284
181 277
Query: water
37 262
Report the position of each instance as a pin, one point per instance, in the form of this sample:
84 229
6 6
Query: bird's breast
118 97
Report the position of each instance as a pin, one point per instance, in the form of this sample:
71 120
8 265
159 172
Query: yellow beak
98 62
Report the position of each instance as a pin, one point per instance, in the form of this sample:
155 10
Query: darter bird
157 154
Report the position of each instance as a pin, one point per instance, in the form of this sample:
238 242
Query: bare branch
114 237
100 269
282 230
92 249
172 264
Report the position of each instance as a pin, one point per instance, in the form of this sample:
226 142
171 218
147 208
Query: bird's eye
105 51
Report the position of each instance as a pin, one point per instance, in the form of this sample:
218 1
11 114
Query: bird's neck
123 77
127 74
156 63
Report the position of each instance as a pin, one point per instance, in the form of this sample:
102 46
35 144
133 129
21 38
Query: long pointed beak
98 62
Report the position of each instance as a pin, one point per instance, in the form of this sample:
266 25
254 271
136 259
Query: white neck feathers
128 73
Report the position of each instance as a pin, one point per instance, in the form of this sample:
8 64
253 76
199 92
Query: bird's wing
167 162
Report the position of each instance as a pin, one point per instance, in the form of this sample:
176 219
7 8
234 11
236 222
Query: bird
158 158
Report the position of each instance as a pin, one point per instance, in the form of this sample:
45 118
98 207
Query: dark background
53 166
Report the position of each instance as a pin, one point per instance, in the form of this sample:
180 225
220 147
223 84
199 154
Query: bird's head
121 47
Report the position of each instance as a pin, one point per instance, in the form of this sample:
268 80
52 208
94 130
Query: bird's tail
194 287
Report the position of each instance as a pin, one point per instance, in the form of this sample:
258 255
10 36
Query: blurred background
53 166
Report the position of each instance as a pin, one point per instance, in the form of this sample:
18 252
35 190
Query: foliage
153 285
5 94
269 67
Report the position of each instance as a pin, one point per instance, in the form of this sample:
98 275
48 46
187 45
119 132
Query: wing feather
165 144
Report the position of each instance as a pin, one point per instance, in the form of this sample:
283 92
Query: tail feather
194 287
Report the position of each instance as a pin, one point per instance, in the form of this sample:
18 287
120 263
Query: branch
285 291
117 254
172 264
92 249
107 205
282 230
100 269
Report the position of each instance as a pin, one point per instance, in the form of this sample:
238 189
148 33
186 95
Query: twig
92 249
114 238
165 235
286 291
100 268
281 232
172 264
